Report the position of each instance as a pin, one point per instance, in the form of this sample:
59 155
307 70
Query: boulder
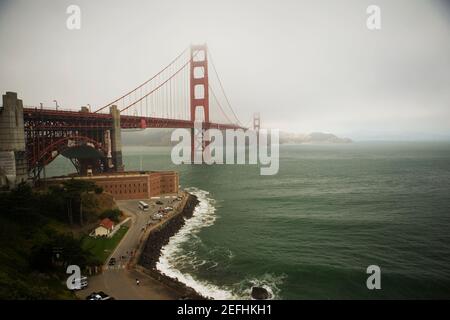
259 293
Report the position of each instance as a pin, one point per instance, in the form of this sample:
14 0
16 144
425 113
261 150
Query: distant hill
312 138
161 137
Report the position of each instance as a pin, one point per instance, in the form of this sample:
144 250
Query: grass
101 248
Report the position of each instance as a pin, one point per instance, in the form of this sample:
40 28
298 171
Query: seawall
159 238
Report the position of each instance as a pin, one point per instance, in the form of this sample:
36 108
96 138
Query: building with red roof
105 228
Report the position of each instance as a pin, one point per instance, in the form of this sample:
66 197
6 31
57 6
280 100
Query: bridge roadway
47 119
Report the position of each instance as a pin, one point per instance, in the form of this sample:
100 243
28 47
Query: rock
160 237
259 293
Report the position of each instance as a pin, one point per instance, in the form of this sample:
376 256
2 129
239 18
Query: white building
105 228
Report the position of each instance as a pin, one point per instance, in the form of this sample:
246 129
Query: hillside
39 239
312 138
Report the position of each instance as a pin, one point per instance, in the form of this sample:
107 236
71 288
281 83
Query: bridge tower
13 162
116 139
199 92
256 122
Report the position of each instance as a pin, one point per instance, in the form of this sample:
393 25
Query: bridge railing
53 108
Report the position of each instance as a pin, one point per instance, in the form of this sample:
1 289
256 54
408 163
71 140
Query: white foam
203 216
267 281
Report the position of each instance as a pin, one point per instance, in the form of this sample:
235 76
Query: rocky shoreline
159 238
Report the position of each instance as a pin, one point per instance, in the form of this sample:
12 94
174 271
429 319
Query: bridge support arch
31 138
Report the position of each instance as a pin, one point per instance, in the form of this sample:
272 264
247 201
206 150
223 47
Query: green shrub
112 214
98 190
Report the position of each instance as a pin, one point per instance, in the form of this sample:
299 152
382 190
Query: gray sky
304 65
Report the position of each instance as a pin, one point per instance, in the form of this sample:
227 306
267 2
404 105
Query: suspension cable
221 87
160 85
144 83
220 106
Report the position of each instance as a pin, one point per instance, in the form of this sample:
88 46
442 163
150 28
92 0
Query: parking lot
116 280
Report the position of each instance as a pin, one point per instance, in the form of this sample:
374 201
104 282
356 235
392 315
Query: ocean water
311 231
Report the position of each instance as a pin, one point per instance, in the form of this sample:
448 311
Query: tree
59 250
74 190
98 190
112 214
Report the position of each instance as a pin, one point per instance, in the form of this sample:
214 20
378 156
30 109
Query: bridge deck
46 119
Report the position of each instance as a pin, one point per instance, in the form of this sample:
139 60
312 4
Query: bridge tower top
199 85
256 121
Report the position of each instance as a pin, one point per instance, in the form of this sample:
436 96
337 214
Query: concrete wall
123 187
163 182
13 162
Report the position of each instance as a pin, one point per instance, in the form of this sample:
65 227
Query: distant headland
161 137
311 138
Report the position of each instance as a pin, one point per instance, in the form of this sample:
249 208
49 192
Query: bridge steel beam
50 132
47 133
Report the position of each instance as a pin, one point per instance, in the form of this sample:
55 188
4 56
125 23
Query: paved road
118 281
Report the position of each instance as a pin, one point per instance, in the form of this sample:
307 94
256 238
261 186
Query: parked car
83 283
112 261
99 296
157 216
93 296
103 296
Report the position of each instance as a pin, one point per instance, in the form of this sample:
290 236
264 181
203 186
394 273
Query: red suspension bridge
176 97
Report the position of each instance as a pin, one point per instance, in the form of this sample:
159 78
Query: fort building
131 184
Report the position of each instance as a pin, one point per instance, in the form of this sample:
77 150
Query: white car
98 296
82 281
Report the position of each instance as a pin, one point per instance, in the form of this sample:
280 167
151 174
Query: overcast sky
304 65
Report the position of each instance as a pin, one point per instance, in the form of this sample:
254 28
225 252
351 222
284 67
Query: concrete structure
13 161
133 184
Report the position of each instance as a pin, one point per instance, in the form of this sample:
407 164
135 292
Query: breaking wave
204 216
174 254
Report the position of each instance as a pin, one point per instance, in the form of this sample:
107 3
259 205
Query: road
120 282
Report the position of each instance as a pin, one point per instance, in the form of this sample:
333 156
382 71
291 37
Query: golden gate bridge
181 94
